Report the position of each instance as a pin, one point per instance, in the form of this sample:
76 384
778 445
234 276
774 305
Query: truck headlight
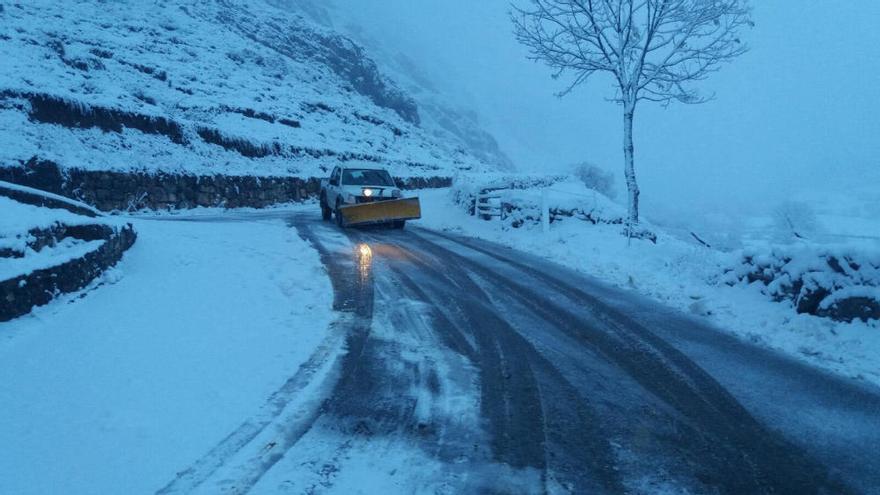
368 192
395 193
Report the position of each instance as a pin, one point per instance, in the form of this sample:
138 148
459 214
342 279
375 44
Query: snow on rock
19 217
49 251
37 197
202 87
60 252
842 284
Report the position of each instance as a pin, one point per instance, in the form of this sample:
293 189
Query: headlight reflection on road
365 260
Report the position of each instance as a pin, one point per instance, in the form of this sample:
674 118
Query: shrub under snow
841 284
596 178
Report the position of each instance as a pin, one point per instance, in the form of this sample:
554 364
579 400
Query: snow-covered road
114 389
454 365
472 368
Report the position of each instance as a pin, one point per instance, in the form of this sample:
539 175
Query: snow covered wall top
203 87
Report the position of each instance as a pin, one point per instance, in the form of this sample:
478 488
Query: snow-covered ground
116 389
217 74
678 272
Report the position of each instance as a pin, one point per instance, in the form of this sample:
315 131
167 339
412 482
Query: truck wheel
326 212
338 213
398 224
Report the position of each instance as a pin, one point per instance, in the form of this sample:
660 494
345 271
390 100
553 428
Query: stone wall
831 282
125 191
21 294
36 199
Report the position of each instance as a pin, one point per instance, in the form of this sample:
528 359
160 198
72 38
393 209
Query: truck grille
371 199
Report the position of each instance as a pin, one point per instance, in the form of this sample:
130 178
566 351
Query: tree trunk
632 186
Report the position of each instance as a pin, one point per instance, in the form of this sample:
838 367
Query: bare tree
654 49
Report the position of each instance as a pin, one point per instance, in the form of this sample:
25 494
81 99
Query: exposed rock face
123 191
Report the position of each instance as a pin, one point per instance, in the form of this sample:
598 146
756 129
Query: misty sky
798 112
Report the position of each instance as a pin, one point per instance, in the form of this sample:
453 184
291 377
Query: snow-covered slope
214 86
440 114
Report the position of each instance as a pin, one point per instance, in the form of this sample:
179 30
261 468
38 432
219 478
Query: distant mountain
439 115
236 87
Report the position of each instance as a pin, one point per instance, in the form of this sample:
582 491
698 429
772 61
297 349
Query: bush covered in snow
596 178
841 284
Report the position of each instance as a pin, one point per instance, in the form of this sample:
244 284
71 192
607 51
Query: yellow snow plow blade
381 212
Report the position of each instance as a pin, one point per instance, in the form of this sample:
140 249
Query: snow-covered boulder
839 283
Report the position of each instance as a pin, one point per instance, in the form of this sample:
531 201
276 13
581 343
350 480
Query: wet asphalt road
582 387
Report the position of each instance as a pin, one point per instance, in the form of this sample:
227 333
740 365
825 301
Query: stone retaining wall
21 294
36 199
124 191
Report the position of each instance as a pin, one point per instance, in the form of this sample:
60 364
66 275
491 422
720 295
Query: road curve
577 387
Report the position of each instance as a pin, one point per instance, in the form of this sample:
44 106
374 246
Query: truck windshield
366 177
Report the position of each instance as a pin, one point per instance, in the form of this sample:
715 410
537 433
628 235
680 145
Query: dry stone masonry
126 191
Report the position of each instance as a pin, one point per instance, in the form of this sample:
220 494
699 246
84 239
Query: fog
796 117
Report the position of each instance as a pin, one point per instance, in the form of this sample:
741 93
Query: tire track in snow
727 448
301 396
520 389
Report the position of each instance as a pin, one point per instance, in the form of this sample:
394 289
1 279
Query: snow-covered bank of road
117 391
680 275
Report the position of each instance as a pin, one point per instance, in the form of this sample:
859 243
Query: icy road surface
469 367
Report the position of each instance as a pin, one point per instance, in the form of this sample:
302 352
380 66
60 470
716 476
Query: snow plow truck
362 195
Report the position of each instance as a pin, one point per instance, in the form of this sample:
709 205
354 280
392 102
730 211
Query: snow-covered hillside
217 86
440 108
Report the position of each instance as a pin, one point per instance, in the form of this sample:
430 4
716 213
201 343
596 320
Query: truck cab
348 187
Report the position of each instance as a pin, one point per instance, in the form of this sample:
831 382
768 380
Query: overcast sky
798 113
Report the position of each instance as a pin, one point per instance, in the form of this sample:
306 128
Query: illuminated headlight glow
368 192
